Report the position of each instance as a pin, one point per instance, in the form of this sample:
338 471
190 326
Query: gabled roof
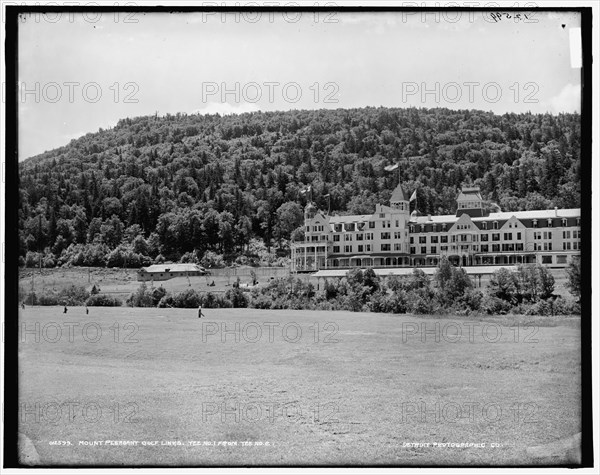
173 268
397 195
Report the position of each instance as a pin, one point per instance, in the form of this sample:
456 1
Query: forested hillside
179 186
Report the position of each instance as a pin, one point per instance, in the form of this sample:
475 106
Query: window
508 236
576 234
347 248
508 247
371 224
347 237
434 228
484 237
367 247
576 245
397 246
484 248
519 246
549 223
360 248
496 237
307 229
368 236
443 238
382 215
547 235
423 249
359 237
444 227
443 248
336 237
546 259
397 223
564 223
567 234
577 222
537 235
412 250
385 235
561 259
433 249
412 240
464 237
547 246
398 235
422 239
484 225
434 239
411 229
495 247
566 246
518 236
422 228
495 225
534 223
386 247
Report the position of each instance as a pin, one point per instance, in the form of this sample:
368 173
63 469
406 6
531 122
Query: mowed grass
352 393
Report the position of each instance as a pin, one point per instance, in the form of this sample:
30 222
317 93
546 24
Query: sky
80 73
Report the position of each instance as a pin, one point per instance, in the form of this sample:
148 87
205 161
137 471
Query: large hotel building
392 237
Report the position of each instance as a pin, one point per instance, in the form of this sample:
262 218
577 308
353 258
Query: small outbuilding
169 271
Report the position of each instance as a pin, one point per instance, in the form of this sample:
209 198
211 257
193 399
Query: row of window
509 247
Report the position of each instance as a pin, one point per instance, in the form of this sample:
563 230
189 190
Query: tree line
179 186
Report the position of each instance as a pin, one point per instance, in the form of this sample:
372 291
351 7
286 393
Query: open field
122 282
351 388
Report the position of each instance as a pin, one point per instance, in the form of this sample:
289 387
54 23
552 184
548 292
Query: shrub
103 300
142 297
574 278
237 298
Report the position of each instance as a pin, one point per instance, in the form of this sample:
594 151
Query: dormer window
535 223
564 222
550 222
412 229
495 225
484 225
422 228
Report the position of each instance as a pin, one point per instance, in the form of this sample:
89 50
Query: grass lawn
354 392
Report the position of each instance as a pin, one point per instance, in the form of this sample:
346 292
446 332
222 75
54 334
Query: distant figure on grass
200 315
23 305
65 309
87 310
